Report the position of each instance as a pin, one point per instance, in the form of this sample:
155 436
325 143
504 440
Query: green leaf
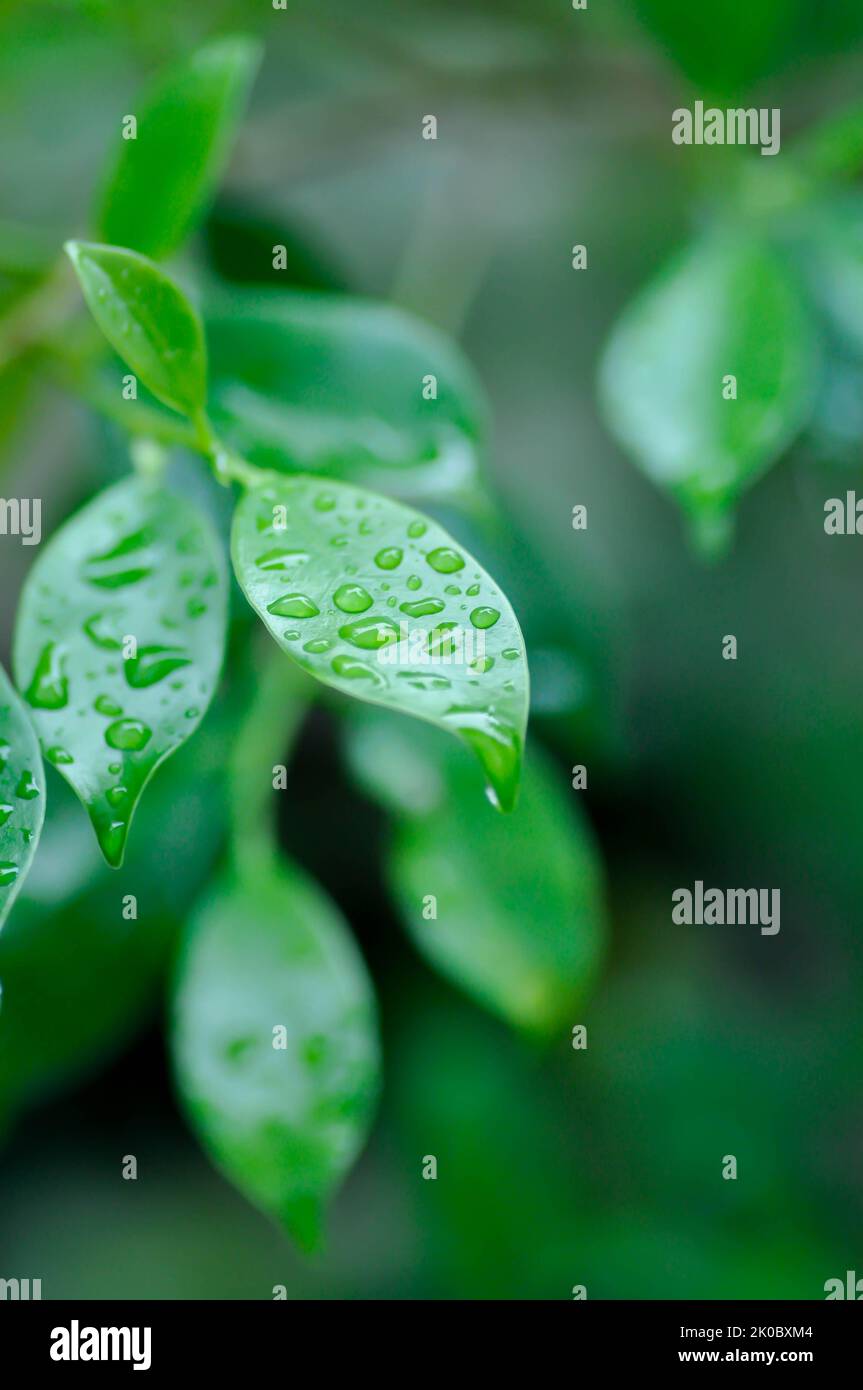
725 307
138 562
163 179
22 795
304 382
275 1042
520 919
740 43
148 320
381 603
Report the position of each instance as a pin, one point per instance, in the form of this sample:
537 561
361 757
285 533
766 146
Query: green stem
281 695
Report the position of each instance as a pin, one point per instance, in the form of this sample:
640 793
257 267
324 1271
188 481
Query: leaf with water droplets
395 612
519 918
22 794
352 389
148 320
708 376
275 1042
163 178
118 644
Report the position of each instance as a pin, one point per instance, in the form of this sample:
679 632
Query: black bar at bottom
75 1339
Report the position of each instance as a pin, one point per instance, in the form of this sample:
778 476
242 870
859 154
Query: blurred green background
556 1167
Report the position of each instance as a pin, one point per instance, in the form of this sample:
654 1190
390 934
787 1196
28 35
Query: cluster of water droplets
24 790
402 563
124 566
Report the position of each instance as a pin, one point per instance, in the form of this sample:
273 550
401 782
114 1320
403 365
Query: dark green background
556 1168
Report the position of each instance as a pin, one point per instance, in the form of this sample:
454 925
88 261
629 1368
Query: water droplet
96 628
351 669
452 589
511 654
417 529
352 598
293 606
5 812
115 796
441 641
5 750
291 635
26 787
340 540
484 617
49 688
129 734
324 502
8 873
153 664
445 560
59 757
370 633
111 838
104 571
472 591
389 558
281 559
318 644
196 608
415 582
482 664
422 607
103 704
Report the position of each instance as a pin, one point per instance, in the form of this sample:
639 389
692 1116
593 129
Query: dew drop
26 788
49 688
445 560
389 558
5 812
352 598
128 734
59 756
153 664
370 633
281 559
472 591
317 645
417 529
8 873
511 654
484 617
422 607
115 796
351 669
482 664
97 630
293 606
415 582
103 704
324 502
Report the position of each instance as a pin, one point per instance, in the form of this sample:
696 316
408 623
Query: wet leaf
162 180
306 382
22 794
509 908
118 644
724 308
381 603
275 1042
148 320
